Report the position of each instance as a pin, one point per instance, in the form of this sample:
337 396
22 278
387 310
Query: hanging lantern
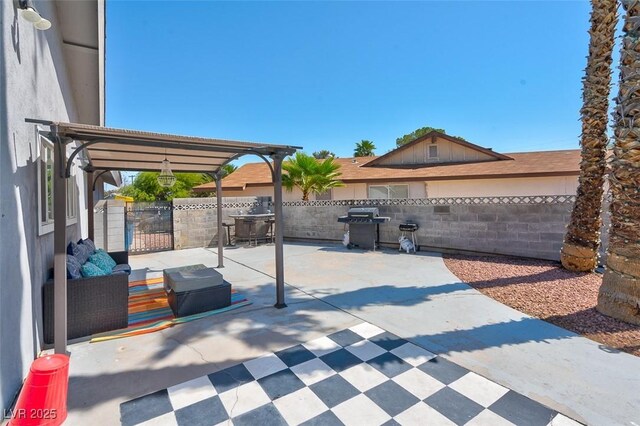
166 179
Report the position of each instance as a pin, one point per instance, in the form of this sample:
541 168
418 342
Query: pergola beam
171 154
133 169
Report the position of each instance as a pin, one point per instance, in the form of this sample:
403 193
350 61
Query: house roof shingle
522 164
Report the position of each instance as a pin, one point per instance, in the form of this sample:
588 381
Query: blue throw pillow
103 261
89 244
91 270
79 251
73 268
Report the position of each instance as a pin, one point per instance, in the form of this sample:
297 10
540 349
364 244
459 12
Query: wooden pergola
108 149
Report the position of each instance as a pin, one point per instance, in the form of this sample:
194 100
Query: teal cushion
107 257
91 270
103 261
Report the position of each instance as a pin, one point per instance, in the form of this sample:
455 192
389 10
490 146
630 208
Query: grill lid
409 227
363 212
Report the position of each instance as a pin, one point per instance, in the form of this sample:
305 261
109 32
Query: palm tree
227 169
322 154
310 175
364 148
582 240
619 294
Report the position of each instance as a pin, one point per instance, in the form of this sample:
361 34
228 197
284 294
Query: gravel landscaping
545 290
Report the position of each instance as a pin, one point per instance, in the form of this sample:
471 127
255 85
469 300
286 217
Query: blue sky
505 75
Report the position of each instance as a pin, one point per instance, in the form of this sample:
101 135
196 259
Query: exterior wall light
30 14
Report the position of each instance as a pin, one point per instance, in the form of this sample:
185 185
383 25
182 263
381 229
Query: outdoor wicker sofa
94 304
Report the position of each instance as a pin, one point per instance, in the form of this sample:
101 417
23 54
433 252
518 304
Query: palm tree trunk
582 240
619 294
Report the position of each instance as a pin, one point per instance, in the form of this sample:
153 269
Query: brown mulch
545 290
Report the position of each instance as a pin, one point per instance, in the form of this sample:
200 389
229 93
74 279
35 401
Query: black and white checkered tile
359 376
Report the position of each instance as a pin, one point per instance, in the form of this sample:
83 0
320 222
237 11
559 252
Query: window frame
437 156
328 192
387 187
72 198
46 147
45 156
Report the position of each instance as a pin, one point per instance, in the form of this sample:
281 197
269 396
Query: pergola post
60 245
218 177
279 225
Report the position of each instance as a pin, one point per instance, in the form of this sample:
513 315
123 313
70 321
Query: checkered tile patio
359 376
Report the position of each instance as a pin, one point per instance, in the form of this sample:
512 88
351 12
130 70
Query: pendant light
166 178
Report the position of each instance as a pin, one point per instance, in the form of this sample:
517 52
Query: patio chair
228 227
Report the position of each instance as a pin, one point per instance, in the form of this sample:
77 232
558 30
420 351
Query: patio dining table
253 226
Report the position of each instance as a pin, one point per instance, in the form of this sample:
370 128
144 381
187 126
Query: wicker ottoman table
194 289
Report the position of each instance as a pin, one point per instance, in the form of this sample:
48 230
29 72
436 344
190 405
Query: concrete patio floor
330 289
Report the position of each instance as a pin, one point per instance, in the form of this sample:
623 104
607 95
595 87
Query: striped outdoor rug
149 310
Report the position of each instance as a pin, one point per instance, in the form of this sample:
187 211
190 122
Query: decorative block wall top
227 203
532 199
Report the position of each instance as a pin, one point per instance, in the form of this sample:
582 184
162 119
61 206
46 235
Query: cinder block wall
519 226
108 222
529 230
195 219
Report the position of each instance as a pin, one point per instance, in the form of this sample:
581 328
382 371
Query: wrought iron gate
149 226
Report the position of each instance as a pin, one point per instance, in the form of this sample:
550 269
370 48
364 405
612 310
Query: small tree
409 137
310 175
322 154
227 169
145 186
364 148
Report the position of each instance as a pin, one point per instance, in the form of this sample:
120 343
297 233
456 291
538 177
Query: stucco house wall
264 191
544 185
34 83
552 185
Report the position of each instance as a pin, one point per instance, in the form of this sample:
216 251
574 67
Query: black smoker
364 227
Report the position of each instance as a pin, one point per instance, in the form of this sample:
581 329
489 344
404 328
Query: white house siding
448 152
554 185
34 83
264 191
352 191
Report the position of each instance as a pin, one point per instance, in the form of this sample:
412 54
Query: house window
324 196
433 151
388 191
72 199
45 186
45 190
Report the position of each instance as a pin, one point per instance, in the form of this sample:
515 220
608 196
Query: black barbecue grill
364 226
410 228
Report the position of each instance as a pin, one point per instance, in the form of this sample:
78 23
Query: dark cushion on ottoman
194 289
197 301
